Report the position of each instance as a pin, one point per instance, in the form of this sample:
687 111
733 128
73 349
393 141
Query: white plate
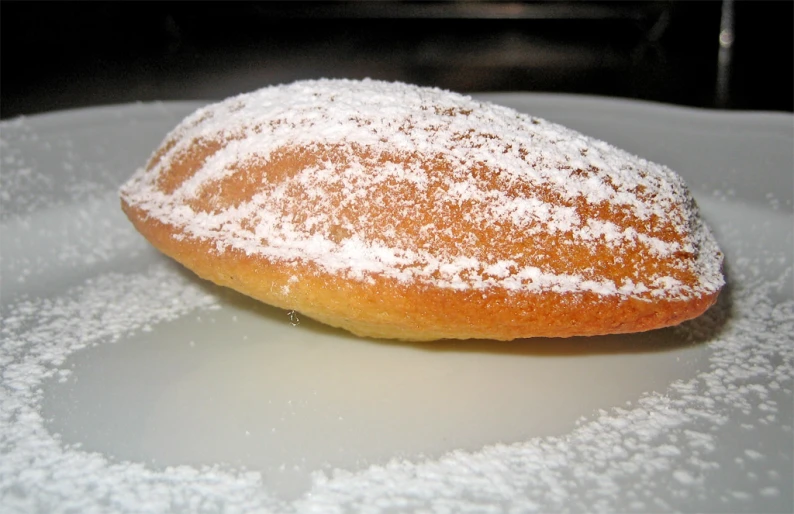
129 385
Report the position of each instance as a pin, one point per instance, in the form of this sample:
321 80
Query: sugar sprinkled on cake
519 175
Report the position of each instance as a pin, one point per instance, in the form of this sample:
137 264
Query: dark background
67 55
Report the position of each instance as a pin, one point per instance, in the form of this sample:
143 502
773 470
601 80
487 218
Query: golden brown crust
402 212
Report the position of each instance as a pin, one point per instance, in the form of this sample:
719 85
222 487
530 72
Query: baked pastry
397 211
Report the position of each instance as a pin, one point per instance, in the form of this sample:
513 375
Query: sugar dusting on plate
605 462
625 458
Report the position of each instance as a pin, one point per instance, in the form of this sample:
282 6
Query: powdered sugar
37 473
718 440
380 145
618 457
